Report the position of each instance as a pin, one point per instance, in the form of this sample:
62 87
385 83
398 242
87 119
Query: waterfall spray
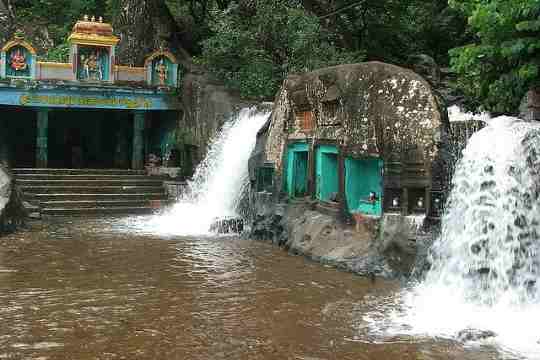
218 183
486 261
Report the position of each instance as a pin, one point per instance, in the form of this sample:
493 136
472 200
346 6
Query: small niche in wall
417 200
437 203
329 115
305 121
392 200
264 178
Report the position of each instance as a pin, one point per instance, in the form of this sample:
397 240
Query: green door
362 177
296 169
327 182
300 173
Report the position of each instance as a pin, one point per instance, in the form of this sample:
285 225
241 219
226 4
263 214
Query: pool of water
95 289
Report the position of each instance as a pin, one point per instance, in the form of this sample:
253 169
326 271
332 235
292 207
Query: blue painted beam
87 97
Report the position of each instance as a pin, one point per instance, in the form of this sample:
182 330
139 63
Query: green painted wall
362 177
326 165
296 171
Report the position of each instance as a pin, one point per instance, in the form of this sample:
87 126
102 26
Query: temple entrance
297 170
87 138
363 176
327 173
18 136
94 139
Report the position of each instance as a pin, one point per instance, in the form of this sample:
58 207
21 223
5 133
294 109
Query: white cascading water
218 182
486 262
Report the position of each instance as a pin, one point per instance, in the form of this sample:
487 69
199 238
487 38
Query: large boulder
5 193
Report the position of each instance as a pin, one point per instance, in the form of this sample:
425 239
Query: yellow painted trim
92 39
22 43
133 69
158 53
55 64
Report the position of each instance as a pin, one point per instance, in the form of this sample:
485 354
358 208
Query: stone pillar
42 154
137 159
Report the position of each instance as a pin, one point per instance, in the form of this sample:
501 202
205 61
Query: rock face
145 26
386 248
5 195
323 238
369 111
207 105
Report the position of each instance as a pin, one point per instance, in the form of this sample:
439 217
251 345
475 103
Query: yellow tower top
93 32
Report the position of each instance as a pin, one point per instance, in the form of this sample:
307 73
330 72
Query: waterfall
486 261
218 183
488 250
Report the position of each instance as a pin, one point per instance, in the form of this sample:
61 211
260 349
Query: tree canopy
502 63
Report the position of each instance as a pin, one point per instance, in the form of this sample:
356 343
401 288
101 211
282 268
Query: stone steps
90 183
94 197
81 192
71 177
121 210
31 171
89 189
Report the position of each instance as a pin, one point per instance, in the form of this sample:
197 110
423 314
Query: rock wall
5 195
207 105
383 249
145 26
369 110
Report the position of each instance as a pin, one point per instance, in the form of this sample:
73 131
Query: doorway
327 173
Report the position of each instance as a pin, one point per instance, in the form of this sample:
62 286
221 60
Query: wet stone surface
91 289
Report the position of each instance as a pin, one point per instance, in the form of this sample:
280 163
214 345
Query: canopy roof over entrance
91 78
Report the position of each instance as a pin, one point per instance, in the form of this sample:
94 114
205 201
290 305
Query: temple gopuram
90 112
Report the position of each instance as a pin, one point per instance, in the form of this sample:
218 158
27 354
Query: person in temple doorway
75 150
360 215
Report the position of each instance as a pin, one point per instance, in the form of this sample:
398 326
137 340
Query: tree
497 69
256 44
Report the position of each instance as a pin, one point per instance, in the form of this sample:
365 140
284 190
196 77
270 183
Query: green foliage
59 17
254 48
502 64
59 53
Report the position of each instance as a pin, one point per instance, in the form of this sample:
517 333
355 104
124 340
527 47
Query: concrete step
95 197
85 204
21 171
41 189
68 183
71 177
124 210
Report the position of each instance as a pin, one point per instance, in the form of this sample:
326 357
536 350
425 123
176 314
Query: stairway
80 192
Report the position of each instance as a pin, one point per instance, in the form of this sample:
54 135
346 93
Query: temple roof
92 32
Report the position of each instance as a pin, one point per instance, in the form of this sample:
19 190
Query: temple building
90 112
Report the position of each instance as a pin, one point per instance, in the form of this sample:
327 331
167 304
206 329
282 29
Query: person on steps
360 214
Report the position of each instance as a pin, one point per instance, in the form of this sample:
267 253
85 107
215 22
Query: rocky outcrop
384 248
5 195
207 105
364 111
145 26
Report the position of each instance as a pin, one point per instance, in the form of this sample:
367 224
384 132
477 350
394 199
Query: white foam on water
217 185
455 113
486 262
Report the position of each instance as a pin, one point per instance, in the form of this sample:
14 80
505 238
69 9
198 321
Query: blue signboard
72 97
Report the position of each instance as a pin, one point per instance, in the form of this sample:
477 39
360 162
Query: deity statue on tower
162 70
18 61
91 66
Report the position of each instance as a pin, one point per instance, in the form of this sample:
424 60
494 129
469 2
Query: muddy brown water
93 289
